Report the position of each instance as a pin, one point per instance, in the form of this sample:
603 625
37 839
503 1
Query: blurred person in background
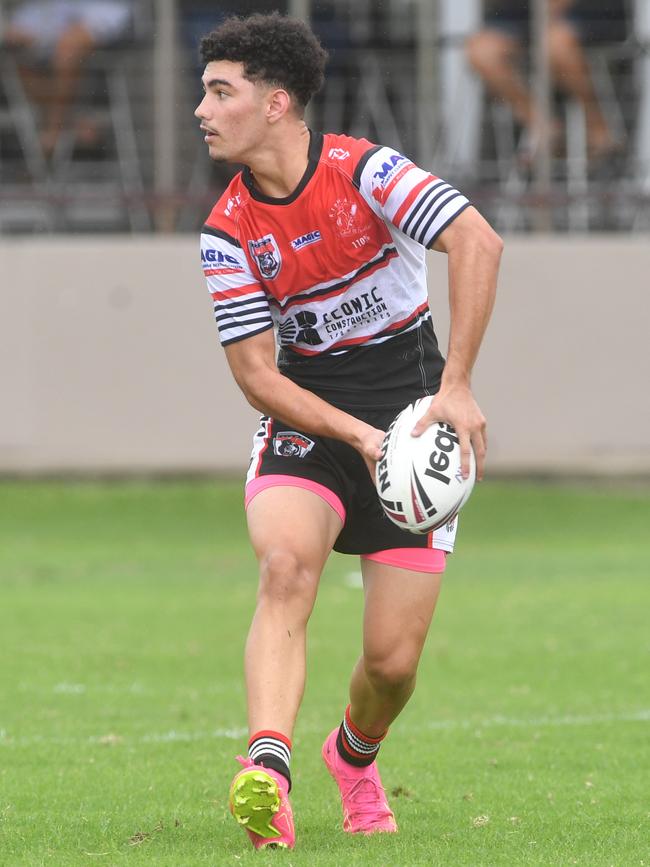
56 37
496 53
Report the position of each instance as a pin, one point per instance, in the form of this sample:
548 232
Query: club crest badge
267 255
291 444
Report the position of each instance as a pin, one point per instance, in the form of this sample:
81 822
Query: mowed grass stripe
123 617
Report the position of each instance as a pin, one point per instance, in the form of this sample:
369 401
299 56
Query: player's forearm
277 396
473 269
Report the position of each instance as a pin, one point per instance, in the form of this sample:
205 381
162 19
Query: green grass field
123 614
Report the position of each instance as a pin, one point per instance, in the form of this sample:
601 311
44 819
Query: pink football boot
365 808
259 801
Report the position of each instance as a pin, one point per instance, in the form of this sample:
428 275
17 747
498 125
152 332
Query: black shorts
336 471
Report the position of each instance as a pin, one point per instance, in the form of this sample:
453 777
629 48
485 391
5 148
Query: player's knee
285 580
391 672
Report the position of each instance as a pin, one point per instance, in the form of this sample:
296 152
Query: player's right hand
370 448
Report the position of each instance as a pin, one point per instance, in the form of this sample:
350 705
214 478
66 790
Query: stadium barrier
110 361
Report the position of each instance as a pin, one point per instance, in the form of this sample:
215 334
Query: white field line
172 736
231 734
542 721
136 688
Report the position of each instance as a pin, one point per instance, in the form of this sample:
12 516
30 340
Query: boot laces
367 799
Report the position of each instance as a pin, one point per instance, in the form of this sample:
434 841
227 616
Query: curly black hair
274 48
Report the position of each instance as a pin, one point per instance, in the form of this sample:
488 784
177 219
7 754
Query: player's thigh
399 605
292 529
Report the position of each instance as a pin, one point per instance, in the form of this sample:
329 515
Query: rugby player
315 259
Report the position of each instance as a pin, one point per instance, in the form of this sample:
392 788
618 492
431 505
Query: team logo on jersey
338 154
305 240
267 254
347 218
291 444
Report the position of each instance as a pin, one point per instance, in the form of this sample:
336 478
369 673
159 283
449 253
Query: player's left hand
456 406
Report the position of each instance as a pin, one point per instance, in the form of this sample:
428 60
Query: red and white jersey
346 249
340 263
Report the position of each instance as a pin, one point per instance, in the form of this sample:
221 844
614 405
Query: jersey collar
313 156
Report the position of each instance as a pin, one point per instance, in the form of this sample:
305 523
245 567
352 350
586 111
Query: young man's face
232 112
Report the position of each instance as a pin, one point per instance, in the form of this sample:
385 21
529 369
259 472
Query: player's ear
278 105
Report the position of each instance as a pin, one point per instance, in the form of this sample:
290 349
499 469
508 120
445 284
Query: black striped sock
273 750
353 746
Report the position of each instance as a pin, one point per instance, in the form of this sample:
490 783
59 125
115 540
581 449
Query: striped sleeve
241 308
416 202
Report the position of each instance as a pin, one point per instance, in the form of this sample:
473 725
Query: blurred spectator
496 53
56 37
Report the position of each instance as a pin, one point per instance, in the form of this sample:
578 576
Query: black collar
313 156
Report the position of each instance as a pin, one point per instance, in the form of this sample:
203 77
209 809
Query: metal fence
399 75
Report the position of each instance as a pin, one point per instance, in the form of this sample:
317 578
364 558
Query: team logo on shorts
267 254
291 444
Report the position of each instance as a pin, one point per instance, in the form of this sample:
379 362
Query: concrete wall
109 359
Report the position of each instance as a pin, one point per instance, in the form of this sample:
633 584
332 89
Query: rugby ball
419 479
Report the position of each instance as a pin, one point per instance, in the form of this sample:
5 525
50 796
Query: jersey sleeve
241 308
416 202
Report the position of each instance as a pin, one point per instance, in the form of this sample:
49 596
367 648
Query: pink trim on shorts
261 483
417 559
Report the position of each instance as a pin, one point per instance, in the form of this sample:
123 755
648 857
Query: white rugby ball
419 479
